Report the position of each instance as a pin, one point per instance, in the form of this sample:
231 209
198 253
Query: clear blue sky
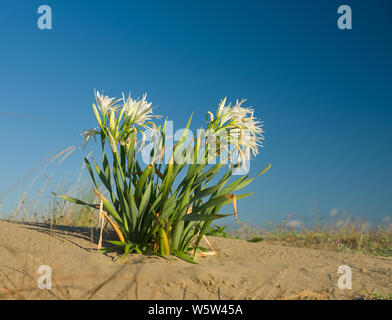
324 94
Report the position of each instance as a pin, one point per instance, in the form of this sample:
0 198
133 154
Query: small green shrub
166 208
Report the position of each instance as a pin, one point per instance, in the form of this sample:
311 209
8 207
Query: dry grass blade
208 243
116 229
206 254
61 152
66 155
100 222
234 202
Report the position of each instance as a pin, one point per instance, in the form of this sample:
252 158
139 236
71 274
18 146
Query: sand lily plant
166 207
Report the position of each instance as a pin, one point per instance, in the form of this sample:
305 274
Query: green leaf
204 217
204 193
77 201
141 183
145 198
254 240
90 171
210 173
184 256
219 201
117 243
102 176
245 182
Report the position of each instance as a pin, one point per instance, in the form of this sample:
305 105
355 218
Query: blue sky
324 94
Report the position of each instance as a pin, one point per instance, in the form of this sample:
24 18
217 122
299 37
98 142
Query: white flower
223 112
87 134
237 125
104 102
138 111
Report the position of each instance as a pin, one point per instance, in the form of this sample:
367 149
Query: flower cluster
104 102
135 112
233 130
138 111
167 208
237 126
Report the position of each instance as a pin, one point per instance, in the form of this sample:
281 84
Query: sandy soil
240 270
